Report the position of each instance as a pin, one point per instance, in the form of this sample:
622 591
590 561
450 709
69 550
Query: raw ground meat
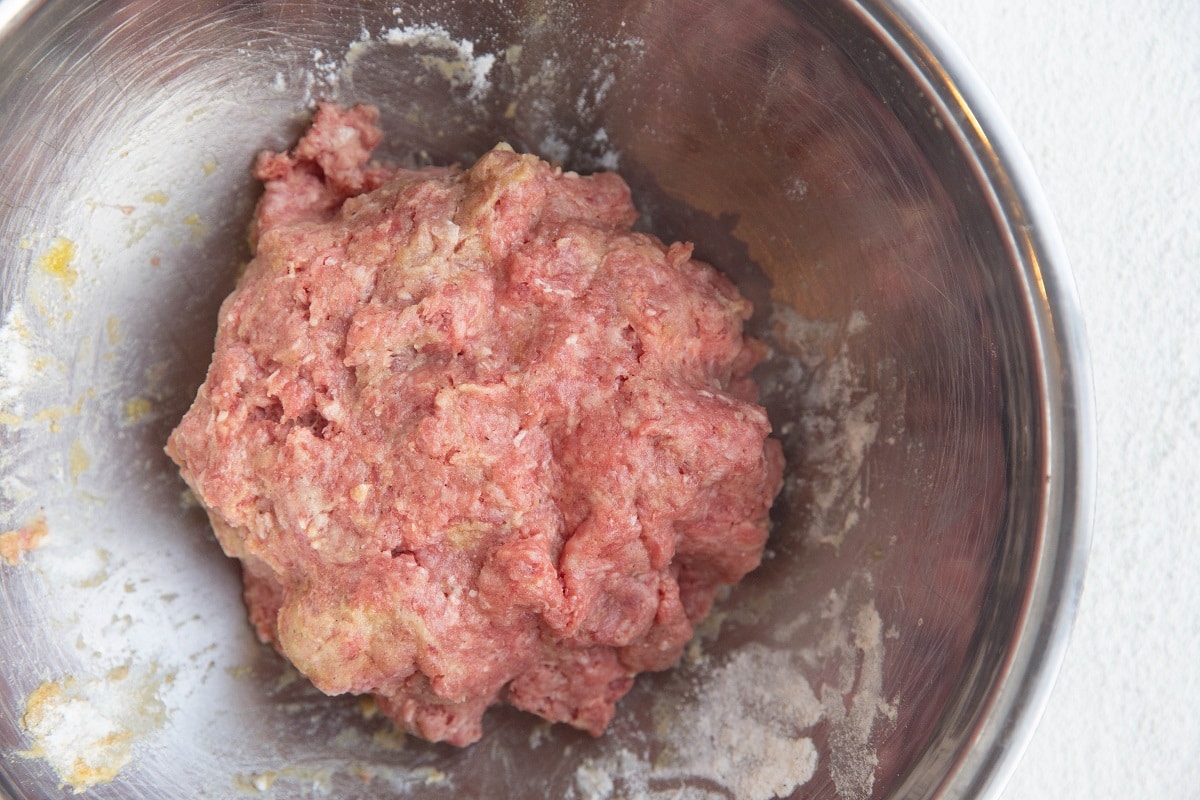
473 439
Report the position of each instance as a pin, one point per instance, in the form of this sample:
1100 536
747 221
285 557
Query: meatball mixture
472 438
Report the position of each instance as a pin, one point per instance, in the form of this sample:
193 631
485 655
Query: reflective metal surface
836 158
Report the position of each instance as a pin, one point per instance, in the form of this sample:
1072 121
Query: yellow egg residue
112 331
14 544
78 461
58 260
137 408
197 225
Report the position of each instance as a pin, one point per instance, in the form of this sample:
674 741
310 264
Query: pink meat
473 439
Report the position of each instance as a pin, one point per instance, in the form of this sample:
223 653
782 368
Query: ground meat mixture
473 440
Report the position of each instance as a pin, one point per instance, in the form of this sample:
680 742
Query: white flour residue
853 761
745 729
16 360
554 149
458 62
834 422
326 66
577 138
87 729
555 111
440 53
745 734
853 703
608 158
745 701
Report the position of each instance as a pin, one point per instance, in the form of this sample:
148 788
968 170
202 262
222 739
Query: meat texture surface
472 439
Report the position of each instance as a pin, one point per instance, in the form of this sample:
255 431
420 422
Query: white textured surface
1105 98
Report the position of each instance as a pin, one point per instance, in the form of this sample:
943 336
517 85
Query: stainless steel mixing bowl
836 157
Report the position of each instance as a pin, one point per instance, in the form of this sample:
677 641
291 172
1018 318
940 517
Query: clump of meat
473 439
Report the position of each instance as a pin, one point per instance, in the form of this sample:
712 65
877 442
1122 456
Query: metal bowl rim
987 759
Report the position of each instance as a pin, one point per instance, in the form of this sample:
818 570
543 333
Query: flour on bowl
437 51
457 61
17 364
534 90
749 731
853 704
835 423
746 700
87 729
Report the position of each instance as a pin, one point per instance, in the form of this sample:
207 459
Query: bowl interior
785 139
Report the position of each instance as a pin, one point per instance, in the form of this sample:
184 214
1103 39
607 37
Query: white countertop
1105 98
